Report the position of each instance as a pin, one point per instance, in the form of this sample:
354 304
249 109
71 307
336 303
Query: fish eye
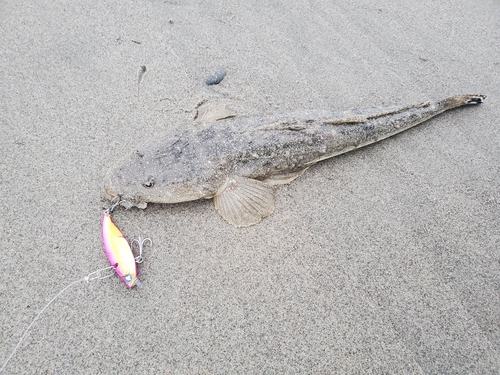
149 183
128 278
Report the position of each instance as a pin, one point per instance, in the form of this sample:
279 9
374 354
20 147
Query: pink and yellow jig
120 256
119 252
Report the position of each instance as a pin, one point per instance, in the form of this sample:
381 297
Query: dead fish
237 160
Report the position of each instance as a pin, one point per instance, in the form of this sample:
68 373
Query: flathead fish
237 160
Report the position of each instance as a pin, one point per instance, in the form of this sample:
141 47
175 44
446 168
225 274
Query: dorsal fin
345 120
289 124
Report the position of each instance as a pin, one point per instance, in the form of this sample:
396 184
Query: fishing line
120 256
96 275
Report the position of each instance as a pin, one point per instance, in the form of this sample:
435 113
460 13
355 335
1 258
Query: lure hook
114 205
140 243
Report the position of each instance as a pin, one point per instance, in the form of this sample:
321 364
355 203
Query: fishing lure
119 252
120 257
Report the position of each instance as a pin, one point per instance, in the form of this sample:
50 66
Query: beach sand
383 260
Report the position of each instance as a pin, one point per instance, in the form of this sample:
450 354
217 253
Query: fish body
237 160
118 251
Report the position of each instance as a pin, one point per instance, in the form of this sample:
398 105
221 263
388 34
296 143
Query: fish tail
460 100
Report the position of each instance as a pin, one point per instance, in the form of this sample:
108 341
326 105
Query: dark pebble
216 78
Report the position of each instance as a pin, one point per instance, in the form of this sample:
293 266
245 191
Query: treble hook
140 242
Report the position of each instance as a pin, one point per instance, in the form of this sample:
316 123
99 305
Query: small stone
216 78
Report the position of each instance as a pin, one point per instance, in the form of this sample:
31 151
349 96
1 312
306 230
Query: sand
383 260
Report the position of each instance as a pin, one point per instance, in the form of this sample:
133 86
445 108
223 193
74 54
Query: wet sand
382 260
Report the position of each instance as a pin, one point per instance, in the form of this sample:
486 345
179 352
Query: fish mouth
118 199
110 193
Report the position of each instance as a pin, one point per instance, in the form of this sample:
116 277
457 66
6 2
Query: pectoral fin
244 201
210 112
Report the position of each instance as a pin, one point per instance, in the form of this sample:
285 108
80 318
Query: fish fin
289 124
244 201
345 120
283 178
210 112
459 100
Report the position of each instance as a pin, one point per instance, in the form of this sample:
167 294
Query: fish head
128 186
156 175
